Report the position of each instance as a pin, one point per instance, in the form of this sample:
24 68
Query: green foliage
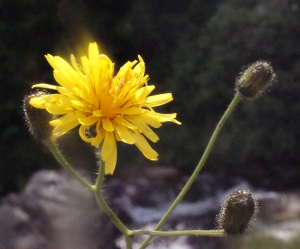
194 49
205 66
23 32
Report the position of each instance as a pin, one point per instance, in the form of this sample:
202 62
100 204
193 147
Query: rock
55 211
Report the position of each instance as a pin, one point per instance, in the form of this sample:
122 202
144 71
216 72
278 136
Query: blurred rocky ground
55 211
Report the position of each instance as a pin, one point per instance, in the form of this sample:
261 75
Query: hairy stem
64 163
198 168
101 201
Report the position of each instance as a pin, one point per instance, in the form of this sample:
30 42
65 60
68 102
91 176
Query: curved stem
100 199
64 163
211 233
199 167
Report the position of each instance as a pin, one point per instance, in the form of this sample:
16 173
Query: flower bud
255 79
37 120
237 211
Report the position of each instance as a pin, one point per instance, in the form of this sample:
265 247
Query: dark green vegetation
194 49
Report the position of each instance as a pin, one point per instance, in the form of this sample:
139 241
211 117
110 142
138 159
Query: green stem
60 158
100 199
128 242
211 233
199 167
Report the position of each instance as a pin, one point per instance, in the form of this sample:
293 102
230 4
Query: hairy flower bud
237 211
255 79
37 120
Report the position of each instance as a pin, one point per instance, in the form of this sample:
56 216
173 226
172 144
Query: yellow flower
107 107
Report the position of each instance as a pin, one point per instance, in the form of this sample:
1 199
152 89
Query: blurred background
194 49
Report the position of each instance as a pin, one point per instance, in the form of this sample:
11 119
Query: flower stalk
97 189
199 167
210 233
64 163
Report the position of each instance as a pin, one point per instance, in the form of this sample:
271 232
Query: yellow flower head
114 107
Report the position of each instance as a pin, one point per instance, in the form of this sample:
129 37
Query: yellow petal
78 70
63 91
124 134
124 122
82 134
150 119
160 99
51 60
61 130
77 104
117 136
168 117
88 121
69 118
108 145
124 70
40 102
58 110
107 124
144 92
145 129
59 64
98 113
129 111
144 147
93 54
85 65
100 134
111 161
44 85
82 106
104 76
140 67
63 80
